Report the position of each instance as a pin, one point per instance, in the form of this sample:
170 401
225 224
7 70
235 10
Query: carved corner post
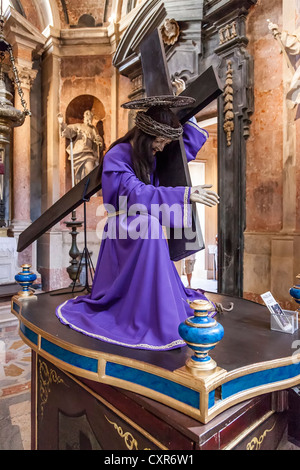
234 110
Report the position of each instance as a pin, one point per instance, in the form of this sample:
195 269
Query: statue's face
159 144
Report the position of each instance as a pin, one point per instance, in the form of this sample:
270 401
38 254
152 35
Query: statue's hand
273 27
201 194
98 140
179 86
60 118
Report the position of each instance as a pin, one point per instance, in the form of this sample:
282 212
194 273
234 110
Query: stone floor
15 374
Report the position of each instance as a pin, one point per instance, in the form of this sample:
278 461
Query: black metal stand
88 263
74 253
89 267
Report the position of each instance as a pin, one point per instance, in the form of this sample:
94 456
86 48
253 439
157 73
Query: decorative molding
19 31
228 32
152 14
25 74
170 31
256 443
46 379
228 125
137 84
149 17
215 9
130 442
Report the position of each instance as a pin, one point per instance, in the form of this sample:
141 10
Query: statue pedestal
252 359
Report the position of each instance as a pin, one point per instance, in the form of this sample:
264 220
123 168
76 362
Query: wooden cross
174 171
172 166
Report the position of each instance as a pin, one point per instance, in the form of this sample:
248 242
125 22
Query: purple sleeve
170 205
124 191
194 138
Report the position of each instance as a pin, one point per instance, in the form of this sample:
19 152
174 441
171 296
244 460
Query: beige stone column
114 37
50 244
289 9
272 257
26 41
21 168
285 256
21 154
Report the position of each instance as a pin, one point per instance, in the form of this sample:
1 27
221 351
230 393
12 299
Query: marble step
6 317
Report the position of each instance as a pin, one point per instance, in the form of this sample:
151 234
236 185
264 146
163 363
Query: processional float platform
251 359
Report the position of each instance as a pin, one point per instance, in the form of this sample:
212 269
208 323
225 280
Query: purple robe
137 298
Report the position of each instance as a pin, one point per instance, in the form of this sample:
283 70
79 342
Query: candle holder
26 278
201 333
74 252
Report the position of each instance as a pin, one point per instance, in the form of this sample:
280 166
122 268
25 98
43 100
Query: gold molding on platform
203 385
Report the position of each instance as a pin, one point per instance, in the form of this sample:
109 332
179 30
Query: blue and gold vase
201 333
295 292
25 278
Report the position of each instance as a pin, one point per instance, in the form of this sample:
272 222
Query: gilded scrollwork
130 442
256 443
47 377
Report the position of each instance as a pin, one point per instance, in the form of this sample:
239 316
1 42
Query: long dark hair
142 153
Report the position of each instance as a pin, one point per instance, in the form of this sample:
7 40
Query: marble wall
91 81
272 237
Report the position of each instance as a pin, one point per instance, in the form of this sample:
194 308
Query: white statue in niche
85 147
290 44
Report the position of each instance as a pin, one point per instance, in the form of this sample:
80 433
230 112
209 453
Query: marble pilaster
272 239
26 42
21 170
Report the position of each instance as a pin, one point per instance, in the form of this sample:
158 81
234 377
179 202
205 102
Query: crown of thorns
168 101
148 125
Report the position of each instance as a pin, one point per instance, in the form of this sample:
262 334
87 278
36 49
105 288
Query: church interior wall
265 144
271 259
271 252
36 146
92 76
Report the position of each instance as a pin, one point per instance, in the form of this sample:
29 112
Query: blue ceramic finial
201 333
25 279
